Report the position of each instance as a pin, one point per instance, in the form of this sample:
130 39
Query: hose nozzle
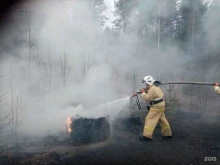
135 94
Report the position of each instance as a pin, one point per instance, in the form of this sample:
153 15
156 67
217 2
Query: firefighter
154 95
216 88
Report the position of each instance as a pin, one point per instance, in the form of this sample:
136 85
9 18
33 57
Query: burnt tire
87 131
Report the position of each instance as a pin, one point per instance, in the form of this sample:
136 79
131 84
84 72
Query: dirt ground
194 142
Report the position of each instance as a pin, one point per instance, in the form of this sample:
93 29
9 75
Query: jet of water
111 109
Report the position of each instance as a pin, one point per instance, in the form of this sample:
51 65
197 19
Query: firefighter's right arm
149 96
216 88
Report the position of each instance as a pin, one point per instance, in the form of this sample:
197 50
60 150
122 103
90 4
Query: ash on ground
194 141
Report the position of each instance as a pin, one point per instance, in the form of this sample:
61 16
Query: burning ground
193 141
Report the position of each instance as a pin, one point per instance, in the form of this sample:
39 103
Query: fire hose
158 83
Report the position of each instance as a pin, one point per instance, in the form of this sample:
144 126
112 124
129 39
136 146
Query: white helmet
148 80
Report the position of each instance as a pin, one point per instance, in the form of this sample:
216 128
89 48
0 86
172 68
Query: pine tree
98 8
189 22
123 9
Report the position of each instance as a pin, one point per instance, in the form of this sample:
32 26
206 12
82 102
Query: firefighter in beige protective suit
154 95
216 88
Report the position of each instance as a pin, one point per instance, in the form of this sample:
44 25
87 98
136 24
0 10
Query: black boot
167 137
144 138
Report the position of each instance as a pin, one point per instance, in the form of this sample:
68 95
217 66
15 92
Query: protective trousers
156 114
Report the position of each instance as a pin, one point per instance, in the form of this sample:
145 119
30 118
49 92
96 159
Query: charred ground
193 141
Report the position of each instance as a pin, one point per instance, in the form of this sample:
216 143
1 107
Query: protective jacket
154 94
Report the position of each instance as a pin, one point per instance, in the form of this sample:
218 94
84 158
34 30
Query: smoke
57 72
68 66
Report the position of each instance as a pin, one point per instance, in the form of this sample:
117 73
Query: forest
60 56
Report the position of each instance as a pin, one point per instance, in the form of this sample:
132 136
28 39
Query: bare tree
18 110
3 113
40 60
65 68
135 75
193 26
30 41
50 66
85 65
160 8
30 56
11 105
15 108
158 34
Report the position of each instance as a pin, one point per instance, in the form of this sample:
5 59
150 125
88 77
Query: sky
109 14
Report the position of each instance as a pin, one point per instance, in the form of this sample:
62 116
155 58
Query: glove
146 90
142 90
216 84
